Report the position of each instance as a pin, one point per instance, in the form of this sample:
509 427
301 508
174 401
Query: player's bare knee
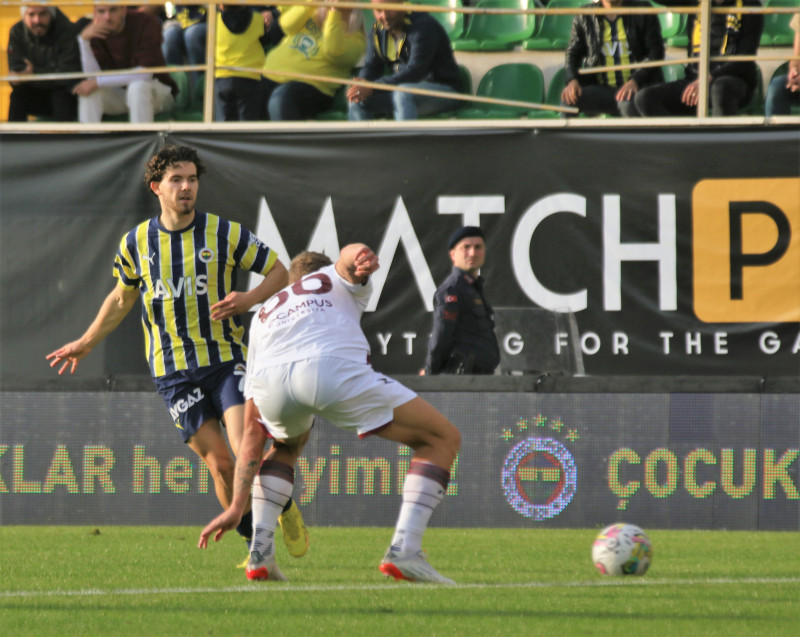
220 467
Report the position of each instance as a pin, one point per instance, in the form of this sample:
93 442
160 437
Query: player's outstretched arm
115 308
238 302
356 262
248 462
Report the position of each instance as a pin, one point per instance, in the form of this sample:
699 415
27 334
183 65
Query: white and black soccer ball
622 549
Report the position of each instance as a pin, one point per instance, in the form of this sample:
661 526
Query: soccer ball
622 549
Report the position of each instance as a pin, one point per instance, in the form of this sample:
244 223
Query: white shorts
351 395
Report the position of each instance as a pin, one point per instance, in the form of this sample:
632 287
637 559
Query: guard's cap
463 233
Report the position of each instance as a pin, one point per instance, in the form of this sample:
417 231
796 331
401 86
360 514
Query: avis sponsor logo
182 406
166 289
746 250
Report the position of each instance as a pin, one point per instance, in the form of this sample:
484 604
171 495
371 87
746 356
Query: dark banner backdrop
677 251
724 461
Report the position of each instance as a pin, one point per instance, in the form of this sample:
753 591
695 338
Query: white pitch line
392 587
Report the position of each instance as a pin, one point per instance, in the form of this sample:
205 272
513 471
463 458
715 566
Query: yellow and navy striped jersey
616 52
180 275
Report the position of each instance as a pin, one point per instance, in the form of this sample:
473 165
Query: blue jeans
403 106
779 98
187 44
296 101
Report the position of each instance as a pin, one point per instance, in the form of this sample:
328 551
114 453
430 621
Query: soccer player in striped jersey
182 265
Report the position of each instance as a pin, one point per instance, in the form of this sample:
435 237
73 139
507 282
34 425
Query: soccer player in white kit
308 356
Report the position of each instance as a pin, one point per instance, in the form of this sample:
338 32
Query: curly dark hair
167 157
306 263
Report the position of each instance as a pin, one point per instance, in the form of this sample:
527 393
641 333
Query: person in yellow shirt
241 42
319 41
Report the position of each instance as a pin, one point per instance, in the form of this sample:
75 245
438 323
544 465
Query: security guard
463 339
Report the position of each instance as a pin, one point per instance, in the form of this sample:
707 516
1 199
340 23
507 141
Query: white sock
270 494
421 495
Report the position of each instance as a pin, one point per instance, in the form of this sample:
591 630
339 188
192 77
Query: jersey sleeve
253 254
125 263
359 292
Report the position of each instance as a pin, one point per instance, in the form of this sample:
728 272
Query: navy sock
245 528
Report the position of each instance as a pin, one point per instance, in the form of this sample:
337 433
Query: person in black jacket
43 42
611 40
416 51
463 339
731 83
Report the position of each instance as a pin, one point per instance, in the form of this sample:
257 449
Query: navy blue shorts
195 395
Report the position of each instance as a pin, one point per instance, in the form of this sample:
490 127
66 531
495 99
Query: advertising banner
706 461
676 251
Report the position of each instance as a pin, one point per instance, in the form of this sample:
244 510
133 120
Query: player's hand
69 355
232 305
220 525
366 262
571 93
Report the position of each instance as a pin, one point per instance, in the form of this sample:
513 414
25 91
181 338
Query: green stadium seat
513 81
673 72
493 32
553 95
452 21
777 31
673 28
671 25
369 20
553 32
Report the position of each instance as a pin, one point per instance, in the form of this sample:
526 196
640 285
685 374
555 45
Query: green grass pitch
154 581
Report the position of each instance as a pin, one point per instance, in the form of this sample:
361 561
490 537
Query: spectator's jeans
57 103
239 99
185 46
188 43
779 98
727 95
403 106
296 101
600 98
142 99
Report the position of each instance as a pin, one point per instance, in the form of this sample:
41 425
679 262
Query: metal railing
705 9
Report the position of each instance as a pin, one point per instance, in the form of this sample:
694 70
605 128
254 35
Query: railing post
703 59
211 54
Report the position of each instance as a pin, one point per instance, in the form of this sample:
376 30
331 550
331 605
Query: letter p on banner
746 250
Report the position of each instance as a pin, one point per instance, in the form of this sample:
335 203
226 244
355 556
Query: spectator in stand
611 40
415 50
185 35
321 41
784 90
43 42
731 84
118 38
241 40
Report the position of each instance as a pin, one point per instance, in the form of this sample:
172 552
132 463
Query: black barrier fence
536 452
677 251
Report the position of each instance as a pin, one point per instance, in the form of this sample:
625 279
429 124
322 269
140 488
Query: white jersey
330 309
